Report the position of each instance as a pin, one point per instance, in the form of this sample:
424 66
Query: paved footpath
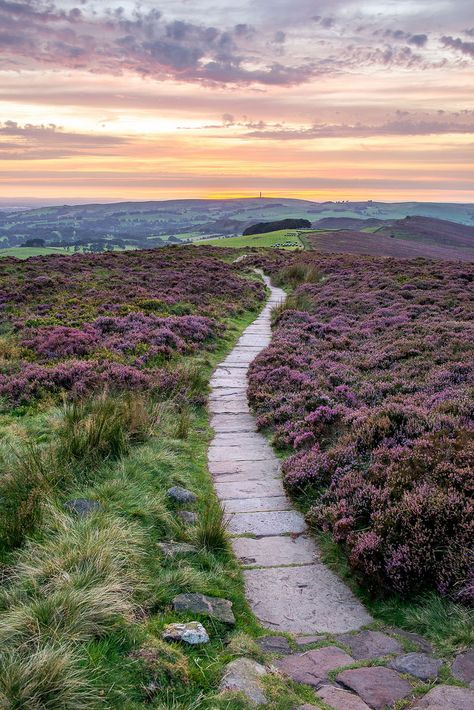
288 587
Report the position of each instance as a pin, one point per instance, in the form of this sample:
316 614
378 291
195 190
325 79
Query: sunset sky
319 99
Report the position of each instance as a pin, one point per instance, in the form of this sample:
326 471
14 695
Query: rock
312 667
377 686
340 699
463 666
193 633
368 645
172 549
188 517
274 644
446 697
244 675
419 641
307 707
419 665
220 609
83 507
181 495
307 640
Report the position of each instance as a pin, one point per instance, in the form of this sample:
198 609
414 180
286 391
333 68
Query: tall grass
48 678
211 529
295 274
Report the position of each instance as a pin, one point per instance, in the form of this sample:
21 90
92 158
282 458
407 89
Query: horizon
325 101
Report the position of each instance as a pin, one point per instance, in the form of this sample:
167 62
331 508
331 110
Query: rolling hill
145 224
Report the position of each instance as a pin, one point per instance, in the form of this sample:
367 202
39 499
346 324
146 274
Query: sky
317 99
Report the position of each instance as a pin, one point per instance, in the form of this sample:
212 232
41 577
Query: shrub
372 385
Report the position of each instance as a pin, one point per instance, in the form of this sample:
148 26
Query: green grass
26 252
258 240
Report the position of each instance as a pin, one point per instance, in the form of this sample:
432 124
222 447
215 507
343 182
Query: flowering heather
372 387
78 323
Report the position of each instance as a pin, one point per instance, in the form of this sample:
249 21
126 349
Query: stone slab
252 489
419 665
277 522
463 666
446 697
274 551
312 667
379 687
257 452
256 505
242 440
244 675
275 644
369 645
249 468
231 406
233 423
339 699
302 599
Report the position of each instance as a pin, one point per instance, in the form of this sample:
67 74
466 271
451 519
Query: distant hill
406 238
145 224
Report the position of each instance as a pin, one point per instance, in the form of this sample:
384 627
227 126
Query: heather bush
371 385
111 320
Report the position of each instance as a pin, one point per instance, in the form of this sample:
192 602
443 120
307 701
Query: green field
259 240
26 252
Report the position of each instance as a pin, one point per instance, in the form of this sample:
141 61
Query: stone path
288 587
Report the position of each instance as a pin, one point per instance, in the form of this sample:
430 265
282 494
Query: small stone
83 507
463 666
369 645
307 640
181 495
188 517
340 699
377 686
244 675
274 644
172 549
220 609
312 667
419 665
193 633
446 697
419 641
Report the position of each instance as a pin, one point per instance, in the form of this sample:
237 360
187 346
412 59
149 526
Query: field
27 252
259 240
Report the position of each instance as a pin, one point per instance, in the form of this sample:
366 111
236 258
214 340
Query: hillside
146 224
407 238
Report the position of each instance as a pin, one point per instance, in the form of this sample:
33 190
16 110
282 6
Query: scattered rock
244 675
307 640
188 517
419 641
463 666
419 665
193 633
181 495
446 697
274 644
377 686
172 549
220 609
340 699
312 667
83 507
369 645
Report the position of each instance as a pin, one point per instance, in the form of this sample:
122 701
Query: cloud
403 124
34 142
458 44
